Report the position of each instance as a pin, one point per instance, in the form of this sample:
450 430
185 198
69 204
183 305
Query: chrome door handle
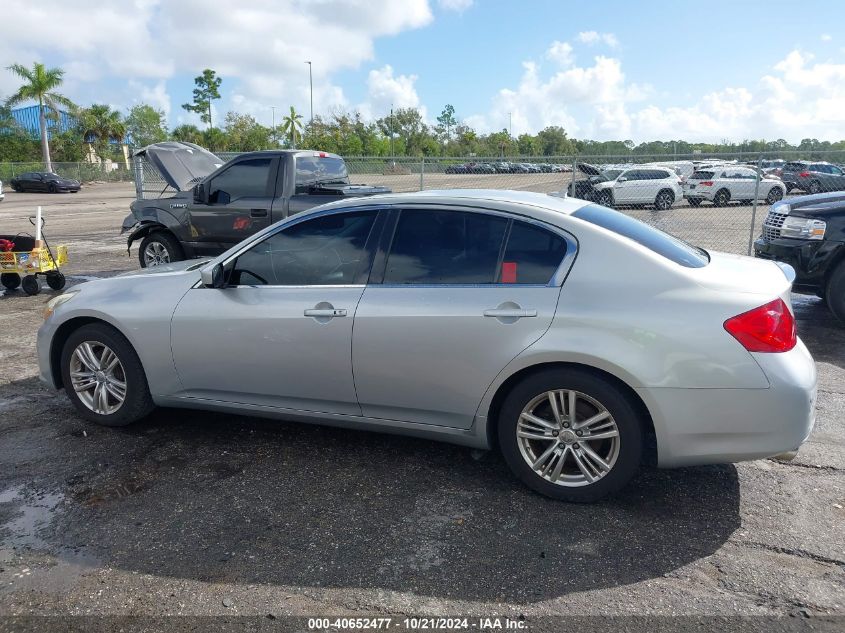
325 312
509 313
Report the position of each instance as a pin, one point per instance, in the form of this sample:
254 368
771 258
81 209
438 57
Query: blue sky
651 69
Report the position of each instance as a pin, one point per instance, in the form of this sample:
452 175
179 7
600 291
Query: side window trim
392 220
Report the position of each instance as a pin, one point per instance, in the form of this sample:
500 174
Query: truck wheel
159 248
10 281
835 292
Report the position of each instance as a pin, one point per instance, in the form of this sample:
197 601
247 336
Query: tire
51 188
164 244
623 453
17 188
834 292
815 187
722 198
137 402
664 200
10 281
775 195
694 202
30 285
605 199
56 280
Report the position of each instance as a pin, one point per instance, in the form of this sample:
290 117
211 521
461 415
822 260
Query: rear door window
445 247
654 239
532 255
702 175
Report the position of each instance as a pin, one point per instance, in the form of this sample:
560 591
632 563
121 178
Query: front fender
139 230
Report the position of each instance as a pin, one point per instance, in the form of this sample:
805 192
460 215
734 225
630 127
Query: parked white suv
659 186
2 195
722 183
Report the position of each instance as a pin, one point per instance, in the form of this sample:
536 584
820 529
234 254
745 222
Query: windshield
611 174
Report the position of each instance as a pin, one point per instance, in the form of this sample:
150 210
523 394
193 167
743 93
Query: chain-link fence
716 201
81 171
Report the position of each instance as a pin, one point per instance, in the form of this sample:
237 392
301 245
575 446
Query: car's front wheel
159 248
834 292
605 199
103 376
571 435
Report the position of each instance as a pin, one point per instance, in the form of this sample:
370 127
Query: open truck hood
180 164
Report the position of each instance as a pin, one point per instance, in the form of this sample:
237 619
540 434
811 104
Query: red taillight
706 183
769 328
804 174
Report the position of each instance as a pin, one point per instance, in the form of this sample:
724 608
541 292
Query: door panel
256 345
428 354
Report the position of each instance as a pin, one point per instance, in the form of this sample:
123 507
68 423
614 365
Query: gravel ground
205 514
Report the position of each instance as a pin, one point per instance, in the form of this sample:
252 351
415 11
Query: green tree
145 125
187 133
292 126
244 134
100 125
39 85
553 141
447 120
207 90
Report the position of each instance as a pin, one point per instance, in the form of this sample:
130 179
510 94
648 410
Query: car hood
589 170
193 265
179 163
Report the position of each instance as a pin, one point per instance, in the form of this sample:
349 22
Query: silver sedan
569 336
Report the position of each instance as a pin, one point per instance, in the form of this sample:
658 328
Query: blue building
27 118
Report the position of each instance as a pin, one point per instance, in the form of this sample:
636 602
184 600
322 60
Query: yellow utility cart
23 258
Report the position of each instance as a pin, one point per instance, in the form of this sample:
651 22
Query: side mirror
212 276
200 195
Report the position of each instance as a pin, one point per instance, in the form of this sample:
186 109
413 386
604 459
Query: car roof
499 199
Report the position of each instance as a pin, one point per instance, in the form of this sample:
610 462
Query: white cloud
455 5
826 37
593 37
560 53
384 89
799 98
258 48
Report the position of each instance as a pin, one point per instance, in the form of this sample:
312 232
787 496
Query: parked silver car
567 334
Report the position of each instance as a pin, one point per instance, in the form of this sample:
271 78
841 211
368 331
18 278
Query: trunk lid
180 164
763 279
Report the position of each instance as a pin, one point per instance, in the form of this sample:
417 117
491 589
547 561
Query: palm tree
40 83
292 126
100 124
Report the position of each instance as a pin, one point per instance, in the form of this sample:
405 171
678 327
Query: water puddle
31 514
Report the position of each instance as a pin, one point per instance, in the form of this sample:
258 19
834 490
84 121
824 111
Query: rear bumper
711 426
698 194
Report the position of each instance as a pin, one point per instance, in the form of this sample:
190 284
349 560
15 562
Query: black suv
808 233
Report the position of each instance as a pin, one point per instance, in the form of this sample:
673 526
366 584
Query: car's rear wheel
664 200
722 198
571 435
694 202
775 195
51 187
834 292
159 248
17 188
815 187
103 376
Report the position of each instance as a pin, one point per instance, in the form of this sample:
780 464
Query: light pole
392 153
311 84
275 142
510 124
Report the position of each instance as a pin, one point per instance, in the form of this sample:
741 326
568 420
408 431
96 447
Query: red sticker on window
508 272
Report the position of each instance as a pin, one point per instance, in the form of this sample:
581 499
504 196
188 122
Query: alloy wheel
568 438
98 378
156 254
